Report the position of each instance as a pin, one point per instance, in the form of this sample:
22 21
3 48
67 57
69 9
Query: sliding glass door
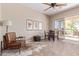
59 26
68 27
72 26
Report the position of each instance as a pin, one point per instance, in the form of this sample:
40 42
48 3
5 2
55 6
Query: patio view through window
69 26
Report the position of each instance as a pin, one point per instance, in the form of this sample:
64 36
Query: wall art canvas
40 25
29 24
35 25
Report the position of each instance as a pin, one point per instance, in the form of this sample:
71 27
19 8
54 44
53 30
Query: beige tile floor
59 48
49 48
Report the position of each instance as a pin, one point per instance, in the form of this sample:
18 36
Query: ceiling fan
53 5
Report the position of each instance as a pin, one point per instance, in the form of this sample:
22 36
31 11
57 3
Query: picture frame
29 24
35 25
40 25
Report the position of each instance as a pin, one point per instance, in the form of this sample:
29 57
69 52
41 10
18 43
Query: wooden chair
51 34
45 35
10 42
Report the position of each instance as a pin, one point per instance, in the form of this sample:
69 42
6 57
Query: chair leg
1 48
19 50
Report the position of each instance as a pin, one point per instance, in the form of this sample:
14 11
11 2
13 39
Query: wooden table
22 40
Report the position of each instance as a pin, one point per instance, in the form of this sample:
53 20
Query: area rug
34 46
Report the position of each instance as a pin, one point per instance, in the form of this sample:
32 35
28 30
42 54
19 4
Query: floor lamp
8 23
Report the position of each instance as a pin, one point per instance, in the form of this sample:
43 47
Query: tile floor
48 48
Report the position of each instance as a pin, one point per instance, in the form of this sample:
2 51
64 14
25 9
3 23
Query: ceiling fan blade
47 4
61 4
47 8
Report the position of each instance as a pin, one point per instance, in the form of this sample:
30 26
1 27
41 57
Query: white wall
0 11
71 12
18 14
0 23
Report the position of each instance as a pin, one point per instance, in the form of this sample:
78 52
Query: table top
20 37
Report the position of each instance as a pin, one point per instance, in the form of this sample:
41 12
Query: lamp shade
8 23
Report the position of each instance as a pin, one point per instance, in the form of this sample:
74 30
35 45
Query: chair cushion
14 45
11 37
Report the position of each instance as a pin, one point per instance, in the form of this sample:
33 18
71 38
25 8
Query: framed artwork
35 25
40 25
29 24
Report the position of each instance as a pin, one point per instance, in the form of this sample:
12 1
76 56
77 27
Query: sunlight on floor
72 38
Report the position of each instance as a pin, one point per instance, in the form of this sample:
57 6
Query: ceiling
40 8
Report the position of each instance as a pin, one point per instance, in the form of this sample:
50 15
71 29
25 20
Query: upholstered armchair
10 42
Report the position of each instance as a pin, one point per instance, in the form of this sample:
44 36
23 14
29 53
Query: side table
22 40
